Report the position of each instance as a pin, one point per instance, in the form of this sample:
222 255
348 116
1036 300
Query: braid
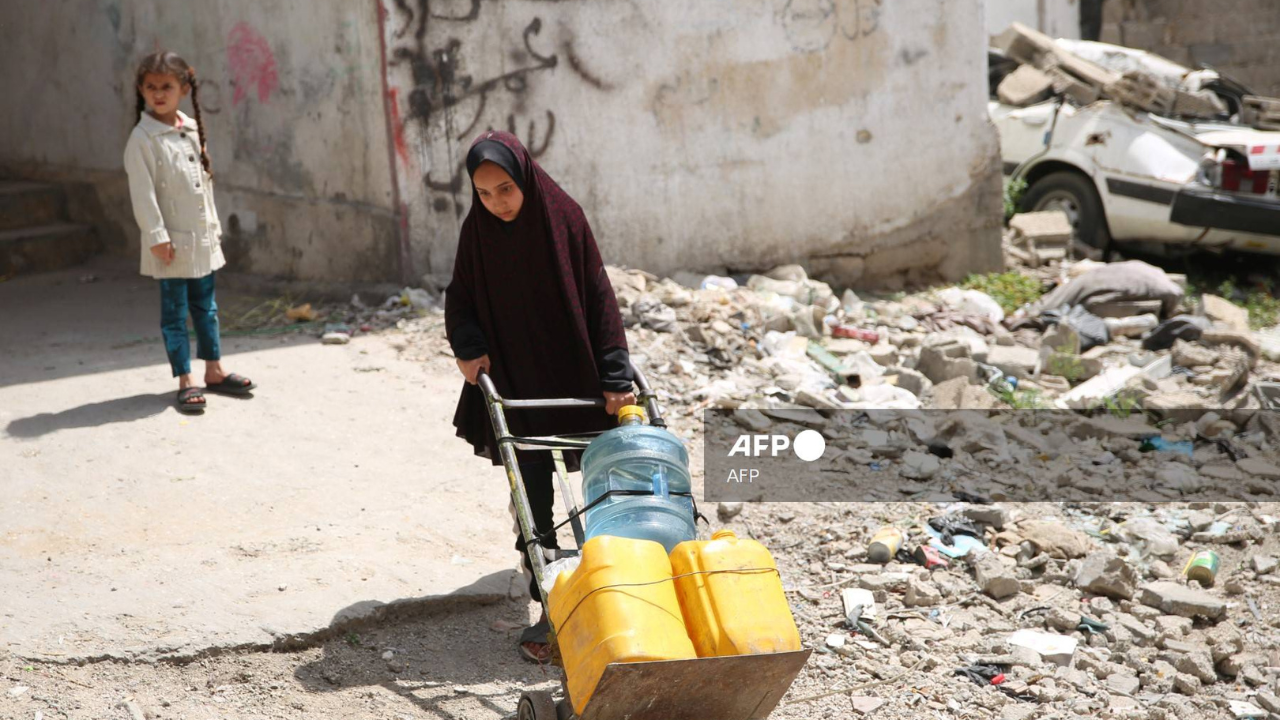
195 103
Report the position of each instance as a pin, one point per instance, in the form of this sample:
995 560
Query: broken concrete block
1142 90
994 515
1049 226
1174 599
1024 86
1245 341
1262 564
1201 104
1106 575
994 578
1199 665
1186 684
1258 467
922 593
1223 312
1068 86
1189 355
1014 360
1056 649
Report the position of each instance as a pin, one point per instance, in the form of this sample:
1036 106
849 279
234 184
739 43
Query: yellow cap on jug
630 411
724 535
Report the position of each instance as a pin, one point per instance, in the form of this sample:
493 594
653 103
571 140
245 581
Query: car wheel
1075 195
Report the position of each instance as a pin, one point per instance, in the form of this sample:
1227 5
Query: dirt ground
431 653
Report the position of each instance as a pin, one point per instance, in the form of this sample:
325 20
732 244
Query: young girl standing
171 185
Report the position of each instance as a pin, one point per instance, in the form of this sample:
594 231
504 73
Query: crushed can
1202 567
884 544
930 558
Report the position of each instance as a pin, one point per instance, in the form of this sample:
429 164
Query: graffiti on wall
446 98
811 25
252 64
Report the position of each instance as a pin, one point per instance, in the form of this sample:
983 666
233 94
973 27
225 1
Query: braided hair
170 63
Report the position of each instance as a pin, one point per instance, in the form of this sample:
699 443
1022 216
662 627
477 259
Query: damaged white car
1135 148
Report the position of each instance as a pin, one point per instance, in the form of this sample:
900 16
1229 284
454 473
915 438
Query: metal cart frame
742 687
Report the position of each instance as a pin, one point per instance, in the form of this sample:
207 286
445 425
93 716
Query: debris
1056 649
335 338
1106 575
859 603
1133 326
1262 564
994 578
1182 327
865 705
727 511
1202 567
1024 86
1242 709
884 544
1175 599
1223 312
1055 539
301 313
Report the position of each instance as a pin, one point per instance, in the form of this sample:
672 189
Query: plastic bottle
884 544
597 624
732 597
638 457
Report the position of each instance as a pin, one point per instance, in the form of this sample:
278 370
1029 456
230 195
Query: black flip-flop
232 384
185 404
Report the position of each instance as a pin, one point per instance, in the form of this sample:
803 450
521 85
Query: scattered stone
335 338
1268 701
994 578
1259 467
1186 684
1106 575
993 515
1173 626
1223 312
1056 649
1198 664
1263 564
864 705
1189 355
1174 599
727 511
1127 684
922 593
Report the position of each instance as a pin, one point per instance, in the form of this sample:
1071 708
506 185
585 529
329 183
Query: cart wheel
536 705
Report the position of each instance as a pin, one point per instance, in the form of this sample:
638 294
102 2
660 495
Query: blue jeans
177 297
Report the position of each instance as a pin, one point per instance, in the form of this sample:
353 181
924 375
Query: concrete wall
720 134
1055 18
291 93
715 134
1240 38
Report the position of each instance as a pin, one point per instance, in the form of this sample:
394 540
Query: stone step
53 246
29 204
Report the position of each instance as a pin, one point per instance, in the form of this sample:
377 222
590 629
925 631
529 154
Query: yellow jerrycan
618 606
732 597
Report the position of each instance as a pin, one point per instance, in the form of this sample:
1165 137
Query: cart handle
644 395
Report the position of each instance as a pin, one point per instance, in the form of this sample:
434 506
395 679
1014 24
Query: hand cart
742 687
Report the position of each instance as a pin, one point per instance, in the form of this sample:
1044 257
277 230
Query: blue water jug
638 457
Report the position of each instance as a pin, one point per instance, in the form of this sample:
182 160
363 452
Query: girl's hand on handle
164 252
615 401
471 368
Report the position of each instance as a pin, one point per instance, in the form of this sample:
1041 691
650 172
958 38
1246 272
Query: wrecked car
1136 148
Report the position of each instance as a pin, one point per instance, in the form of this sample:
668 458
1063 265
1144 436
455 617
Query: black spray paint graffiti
440 85
811 25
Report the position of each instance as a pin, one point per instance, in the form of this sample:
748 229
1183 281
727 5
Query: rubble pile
1048 611
1110 333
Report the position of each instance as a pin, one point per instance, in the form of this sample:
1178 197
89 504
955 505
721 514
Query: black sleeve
467 340
615 370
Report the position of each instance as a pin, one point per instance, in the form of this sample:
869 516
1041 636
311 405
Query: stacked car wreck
1136 148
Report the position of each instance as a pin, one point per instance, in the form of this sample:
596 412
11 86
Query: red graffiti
397 126
251 63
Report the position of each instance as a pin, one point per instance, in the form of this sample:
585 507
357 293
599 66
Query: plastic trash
1134 326
1160 444
417 298
716 282
948 526
555 567
884 544
301 313
1149 537
1057 649
962 547
856 333
1181 327
972 302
